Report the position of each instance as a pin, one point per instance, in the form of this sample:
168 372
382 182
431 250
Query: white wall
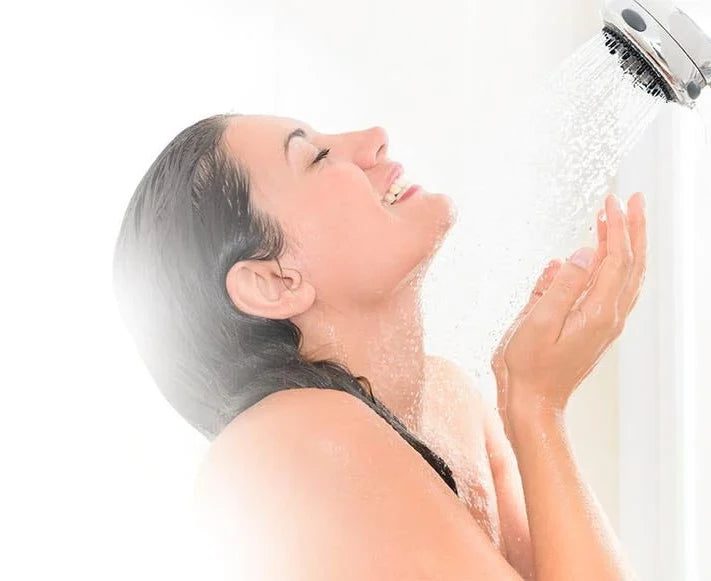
664 436
699 436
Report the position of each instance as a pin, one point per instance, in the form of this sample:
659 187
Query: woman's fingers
574 313
604 301
551 271
600 253
497 360
638 238
601 239
538 291
602 231
542 284
549 314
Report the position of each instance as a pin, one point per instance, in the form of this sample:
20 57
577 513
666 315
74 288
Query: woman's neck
383 343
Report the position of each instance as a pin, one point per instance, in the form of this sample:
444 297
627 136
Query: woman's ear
261 288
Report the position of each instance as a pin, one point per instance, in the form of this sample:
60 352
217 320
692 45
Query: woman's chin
426 218
441 214
430 200
443 209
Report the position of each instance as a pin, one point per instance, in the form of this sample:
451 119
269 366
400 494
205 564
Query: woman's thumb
570 281
583 257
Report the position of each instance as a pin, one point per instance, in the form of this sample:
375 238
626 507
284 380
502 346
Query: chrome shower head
662 47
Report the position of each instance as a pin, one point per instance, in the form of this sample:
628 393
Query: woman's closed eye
321 154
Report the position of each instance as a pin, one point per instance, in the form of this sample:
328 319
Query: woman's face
341 238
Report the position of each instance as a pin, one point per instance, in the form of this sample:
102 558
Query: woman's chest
452 424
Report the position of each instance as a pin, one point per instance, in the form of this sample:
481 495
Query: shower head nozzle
665 51
633 62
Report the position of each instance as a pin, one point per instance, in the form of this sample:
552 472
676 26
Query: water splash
552 165
588 119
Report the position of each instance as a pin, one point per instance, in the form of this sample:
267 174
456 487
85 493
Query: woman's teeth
398 188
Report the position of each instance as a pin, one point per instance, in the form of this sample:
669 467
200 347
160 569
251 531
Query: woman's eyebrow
295 133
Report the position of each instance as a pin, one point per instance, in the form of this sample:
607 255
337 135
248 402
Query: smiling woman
204 293
276 302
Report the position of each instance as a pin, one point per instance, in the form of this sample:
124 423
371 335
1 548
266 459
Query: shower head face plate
642 73
643 31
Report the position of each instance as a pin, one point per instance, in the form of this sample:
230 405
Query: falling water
588 119
551 166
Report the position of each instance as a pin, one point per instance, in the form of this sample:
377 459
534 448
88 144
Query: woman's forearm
570 534
514 523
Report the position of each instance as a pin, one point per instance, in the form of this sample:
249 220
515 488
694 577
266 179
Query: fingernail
583 257
617 201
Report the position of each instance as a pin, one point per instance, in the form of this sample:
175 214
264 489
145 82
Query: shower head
665 50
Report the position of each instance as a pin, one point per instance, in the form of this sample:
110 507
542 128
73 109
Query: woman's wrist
531 417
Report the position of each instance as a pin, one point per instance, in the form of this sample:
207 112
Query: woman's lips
410 191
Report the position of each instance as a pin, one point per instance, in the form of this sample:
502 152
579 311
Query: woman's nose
373 147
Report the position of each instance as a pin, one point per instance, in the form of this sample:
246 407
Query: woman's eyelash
321 154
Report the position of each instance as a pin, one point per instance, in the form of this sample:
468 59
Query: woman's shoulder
448 386
302 457
314 481
441 367
288 411
297 429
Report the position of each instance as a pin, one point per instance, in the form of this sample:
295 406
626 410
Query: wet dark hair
189 220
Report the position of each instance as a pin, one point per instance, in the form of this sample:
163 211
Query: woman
274 294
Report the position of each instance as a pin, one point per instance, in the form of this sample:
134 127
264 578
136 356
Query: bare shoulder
460 384
501 456
313 484
303 432
272 428
452 386
297 416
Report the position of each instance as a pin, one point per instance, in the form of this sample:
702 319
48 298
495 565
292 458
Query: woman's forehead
267 125
261 137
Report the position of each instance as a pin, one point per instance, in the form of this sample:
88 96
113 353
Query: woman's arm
480 417
576 310
571 534
509 494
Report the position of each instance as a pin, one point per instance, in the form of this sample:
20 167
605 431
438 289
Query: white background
97 467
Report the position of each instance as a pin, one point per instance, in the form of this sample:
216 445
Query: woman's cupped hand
576 310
